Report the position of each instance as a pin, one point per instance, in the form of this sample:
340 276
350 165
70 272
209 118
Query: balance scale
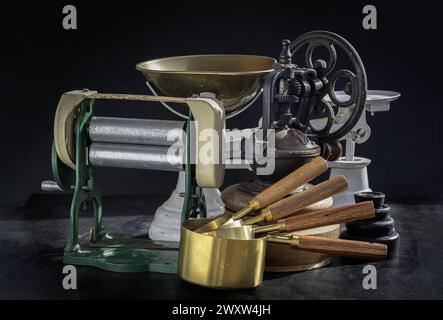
352 167
208 89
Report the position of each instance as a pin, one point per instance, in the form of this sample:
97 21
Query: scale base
355 172
167 220
125 255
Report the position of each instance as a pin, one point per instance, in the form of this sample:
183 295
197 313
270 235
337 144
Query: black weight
378 198
392 241
371 228
379 229
382 213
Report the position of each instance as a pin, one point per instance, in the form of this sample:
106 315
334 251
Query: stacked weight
379 229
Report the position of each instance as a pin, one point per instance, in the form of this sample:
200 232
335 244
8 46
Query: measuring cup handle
298 201
326 217
296 179
351 248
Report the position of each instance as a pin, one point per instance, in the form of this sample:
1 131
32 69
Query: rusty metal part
331 150
292 150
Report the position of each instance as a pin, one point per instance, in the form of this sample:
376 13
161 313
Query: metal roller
134 157
133 131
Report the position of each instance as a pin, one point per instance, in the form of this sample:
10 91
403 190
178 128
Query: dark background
41 60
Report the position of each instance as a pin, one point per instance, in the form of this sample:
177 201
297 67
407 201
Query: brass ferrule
264 215
244 212
293 241
266 229
281 226
255 204
268 214
258 218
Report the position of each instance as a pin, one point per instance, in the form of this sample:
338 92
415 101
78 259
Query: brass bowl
234 79
220 263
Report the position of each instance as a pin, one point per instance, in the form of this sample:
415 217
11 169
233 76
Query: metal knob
50 186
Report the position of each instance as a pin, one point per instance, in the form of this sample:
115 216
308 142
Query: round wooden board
283 258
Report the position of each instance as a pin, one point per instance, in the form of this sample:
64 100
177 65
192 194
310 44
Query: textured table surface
32 238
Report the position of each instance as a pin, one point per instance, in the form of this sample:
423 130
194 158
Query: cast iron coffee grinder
304 123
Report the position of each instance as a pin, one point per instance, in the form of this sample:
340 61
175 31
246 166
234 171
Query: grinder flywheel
294 96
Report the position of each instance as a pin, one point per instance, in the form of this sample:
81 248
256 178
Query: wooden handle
296 179
351 248
326 217
292 204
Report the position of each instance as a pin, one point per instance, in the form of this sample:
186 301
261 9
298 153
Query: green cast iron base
103 251
125 255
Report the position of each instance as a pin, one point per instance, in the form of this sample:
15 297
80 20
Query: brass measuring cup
232 258
217 262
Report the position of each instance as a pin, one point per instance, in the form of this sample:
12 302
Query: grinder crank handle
320 218
281 188
350 248
298 201
50 186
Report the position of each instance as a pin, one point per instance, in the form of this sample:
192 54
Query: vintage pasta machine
83 141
